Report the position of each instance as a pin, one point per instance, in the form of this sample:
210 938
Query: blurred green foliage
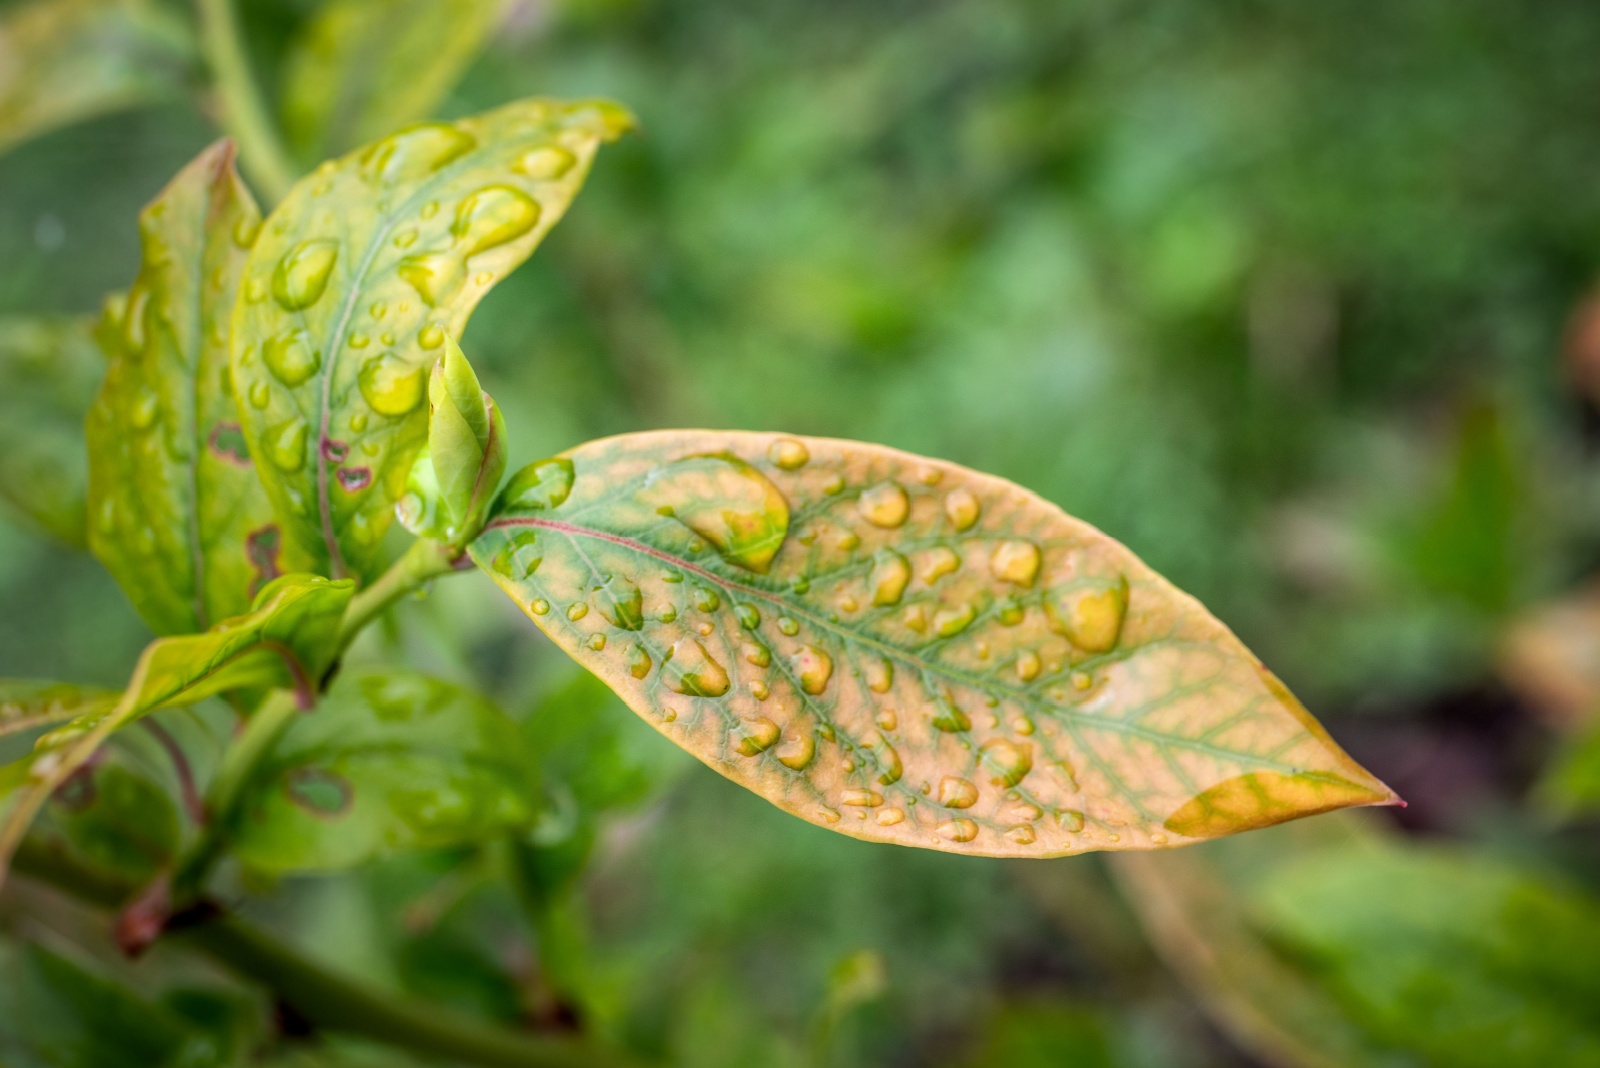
1275 293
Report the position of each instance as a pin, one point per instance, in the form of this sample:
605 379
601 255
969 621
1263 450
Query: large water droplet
728 503
757 736
301 277
956 792
797 751
749 616
1090 617
813 668
690 669
890 574
541 486
948 716
621 602
948 622
1016 562
1007 762
493 216
1022 834
286 444
390 385
637 661
1071 820
890 816
789 454
434 275
885 505
960 830
545 164
290 357
415 152
862 798
961 508
888 760
879 673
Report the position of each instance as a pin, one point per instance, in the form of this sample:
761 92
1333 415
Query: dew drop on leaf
1016 562
1089 617
621 602
813 667
885 505
728 503
948 622
759 735
416 151
541 486
789 454
1007 762
888 817
390 386
492 217
958 830
690 669
956 792
545 164
797 751
749 616
301 276
637 661
434 275
889 576
290 357
286 444
880 674
961 508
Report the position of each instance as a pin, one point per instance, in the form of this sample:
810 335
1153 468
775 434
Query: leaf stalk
244 111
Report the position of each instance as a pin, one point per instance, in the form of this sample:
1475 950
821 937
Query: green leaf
466 442
57 1014
359 277
62 61
1572 782
48 372
904 650
1464 960
26 704
363 68
178 514
117 817
389 761
286 639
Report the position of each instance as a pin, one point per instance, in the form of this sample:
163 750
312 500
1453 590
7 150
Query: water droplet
886 758
1016 562
1010 612
915 618
540 607
961 508
493 216
621 602
789 454
597 642
1022 834
637 661
961 830
290 357
849 540
797 751
301 277
286 444
1022 725
577 610
759 735
431 336
354 478
939 562
415 151
390 386
948 622
788 626
545 164
728 503
430 209
756 653
1071 820
434 275
246 230
668 614
889 576
749 616
948 716
834 486
706 600
259 395
690 669
1089 617
1027 665
814 668
847 603
406 238
758 690
956 792
1007 762
541 486
885 505
880 674
888 817
359 341
887 719
826 814
146 406
378 309
862 798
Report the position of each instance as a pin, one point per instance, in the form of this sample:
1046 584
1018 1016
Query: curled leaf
359 277
177 513
285 640
904 650
26 704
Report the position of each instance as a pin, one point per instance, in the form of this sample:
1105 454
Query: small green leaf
359 277
904 650
285 640
364 68
26 704
389 761
62 61
48 372
178 515
1461 959
466 443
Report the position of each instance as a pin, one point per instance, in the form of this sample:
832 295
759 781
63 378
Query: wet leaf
178 515
904 650
358 278
26 704
1503 974
391 760
62 61
285 640
49 369
364 68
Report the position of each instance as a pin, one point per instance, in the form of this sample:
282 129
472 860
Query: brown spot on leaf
261 548
227 442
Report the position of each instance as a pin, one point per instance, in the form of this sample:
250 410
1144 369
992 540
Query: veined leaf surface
177 513
285 640
358 277
364 68
905 650
49 369
29 703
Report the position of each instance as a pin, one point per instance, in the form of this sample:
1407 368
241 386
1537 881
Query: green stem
244 113
423 562
326 998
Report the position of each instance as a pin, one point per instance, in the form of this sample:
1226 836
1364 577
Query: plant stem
424 561
330 1000
244 113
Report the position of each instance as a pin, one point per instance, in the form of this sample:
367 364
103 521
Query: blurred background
1293 299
